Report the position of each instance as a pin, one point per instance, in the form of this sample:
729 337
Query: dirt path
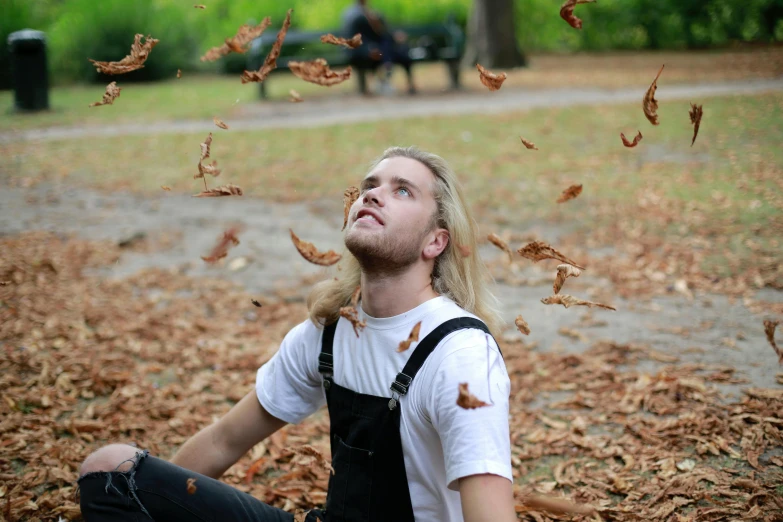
709 329
329 110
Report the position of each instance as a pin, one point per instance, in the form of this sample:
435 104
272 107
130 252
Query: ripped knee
114 457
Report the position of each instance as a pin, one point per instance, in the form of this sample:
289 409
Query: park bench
441 42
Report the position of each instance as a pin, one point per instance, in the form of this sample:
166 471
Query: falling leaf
649 103
634 143
464 250
491 80
564 272
310 451
355 296
166 188
557 505
223 190
351 43
528 144
256 303
318 72
567 301
412 337
570 193
210 169
495 240
467 400
219 122
237 43
567 12
270 63
695 113
350 196
310 253
135 60
295 97
179 73
191 486
350 313
769 329
199 6
522 325
225 242
112 93
538 250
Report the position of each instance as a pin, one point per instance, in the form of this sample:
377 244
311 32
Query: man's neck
390 295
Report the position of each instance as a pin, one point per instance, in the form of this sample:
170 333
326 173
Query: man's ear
438 241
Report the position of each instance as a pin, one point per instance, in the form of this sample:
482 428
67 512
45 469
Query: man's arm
487 498
217 447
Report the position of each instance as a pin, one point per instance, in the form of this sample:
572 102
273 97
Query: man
380 46
402 449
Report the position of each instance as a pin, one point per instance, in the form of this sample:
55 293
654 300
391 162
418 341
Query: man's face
389 224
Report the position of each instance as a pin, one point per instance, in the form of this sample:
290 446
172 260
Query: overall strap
325 359
404 379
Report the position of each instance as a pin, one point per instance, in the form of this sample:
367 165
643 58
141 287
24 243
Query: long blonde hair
463 279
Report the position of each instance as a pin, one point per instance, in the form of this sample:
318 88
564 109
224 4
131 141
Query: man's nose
373 195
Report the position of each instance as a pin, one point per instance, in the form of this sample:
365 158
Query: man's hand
487 498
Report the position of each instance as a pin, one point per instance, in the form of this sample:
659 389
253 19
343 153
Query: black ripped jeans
154 489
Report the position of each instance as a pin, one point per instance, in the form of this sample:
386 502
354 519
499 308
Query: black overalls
370 483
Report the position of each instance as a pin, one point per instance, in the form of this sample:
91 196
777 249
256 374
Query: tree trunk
491 38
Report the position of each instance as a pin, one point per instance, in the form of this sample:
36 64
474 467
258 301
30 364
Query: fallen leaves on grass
498 242
350 196
295 97
649 103
568 301
538 251
570 193
412 337
563 272
467 400
237 43
310 451
135 60
111 94
529 144
270 63
522 325
351 43
491 80
311 254
219 123
225 242
769 330
317 71
634 143
191 485
221 191
567 12
695 113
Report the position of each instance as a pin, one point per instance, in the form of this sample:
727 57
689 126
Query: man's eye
407 192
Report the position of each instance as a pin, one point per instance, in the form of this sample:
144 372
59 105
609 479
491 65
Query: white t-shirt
441 442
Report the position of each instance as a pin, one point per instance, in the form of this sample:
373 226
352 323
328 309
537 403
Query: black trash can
27 53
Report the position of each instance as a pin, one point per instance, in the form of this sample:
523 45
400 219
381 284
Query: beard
381 254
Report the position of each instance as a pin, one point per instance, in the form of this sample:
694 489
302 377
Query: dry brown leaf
225 242
210 169
769 329
467 400
350 313
256 303
135 60
412 337
350 196
318 72
538 250
221 191
200 6
351 43
237 43
522 325
557 505
270 63
191 486
219 122
495 240
564 272
355 296
567 12
570 193
310 451
528 144
295 97
111 94
695 113
634 143
310 253
491 80
464 250
179 73
649 103
567 301
166 188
